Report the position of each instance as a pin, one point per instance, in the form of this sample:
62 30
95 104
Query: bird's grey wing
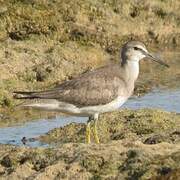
93 88
92 91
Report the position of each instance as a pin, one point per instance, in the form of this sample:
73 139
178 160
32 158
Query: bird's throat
132 70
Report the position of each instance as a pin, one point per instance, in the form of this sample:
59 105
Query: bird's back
100 86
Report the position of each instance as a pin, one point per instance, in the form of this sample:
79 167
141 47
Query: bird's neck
132 70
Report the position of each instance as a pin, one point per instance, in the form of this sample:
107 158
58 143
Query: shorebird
103 90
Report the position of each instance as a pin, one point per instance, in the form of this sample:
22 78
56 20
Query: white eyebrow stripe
142 48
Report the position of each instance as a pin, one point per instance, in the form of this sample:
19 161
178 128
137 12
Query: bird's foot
88 133
96 138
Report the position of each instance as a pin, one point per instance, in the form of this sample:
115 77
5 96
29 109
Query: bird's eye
136 48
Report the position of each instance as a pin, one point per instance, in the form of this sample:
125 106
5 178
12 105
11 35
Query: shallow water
167 98
31 130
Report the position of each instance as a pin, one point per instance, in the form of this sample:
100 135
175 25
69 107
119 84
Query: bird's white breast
114 105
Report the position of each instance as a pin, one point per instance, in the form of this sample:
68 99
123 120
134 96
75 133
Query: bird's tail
36 100
25 95
38 103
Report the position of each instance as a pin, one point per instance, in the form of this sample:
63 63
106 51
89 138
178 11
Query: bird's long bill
156 59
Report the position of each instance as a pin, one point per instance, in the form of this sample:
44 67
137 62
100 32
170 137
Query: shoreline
142 143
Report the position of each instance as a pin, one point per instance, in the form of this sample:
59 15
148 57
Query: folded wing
93 88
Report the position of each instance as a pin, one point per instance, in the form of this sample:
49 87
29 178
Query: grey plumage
127 49
92 88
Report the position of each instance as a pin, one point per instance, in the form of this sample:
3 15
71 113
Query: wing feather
93 88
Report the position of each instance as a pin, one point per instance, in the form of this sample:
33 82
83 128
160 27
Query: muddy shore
141 144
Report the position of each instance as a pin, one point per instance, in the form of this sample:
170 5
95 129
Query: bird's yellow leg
88 133
96 138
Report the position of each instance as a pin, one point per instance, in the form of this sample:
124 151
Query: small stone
3 9
2 170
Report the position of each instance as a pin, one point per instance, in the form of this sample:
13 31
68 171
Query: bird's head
135 51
